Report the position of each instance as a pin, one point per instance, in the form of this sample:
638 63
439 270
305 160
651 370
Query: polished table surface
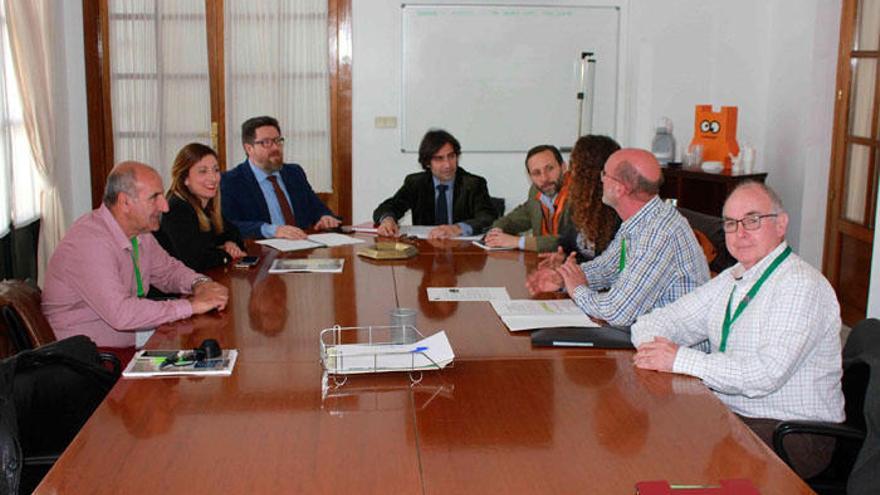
505 417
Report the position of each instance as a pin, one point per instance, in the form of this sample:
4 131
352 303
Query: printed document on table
313 241
430 353
468 294
421 232
528 314
332 239
311 265
150 363
286 245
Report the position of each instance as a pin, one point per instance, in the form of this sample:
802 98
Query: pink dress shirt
91 289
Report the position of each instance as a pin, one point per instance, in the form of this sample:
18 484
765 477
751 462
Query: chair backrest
861 388
498 205
710 233
21 314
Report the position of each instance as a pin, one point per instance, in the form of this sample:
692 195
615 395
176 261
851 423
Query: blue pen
419 349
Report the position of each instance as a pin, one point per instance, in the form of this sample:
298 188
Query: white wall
776 61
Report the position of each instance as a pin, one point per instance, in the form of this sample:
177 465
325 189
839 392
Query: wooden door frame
100 118
834 223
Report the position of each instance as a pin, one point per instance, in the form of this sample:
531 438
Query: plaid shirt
663 262
783 352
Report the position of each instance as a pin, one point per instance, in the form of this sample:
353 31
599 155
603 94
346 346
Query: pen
419 349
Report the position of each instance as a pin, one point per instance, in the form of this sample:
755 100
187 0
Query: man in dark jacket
265 197
444 194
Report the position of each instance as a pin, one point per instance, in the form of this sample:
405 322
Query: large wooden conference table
505 418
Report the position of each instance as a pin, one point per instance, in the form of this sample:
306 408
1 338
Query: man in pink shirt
99 274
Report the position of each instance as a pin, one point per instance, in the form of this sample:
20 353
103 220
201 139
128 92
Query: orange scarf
550 226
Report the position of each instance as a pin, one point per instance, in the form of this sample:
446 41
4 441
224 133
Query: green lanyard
137 270
622 263
728 321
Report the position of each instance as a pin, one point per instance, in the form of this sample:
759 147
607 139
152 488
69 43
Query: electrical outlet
386 122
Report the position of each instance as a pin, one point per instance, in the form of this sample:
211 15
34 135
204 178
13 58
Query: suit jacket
245 206
179 234
470 201
529 216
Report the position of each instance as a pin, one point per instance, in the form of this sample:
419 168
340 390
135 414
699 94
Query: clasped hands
555 271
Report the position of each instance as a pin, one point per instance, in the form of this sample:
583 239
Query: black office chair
498 205
46 395
855 464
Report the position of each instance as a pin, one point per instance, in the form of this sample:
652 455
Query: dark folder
599 337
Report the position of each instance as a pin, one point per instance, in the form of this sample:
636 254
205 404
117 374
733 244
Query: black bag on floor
46 395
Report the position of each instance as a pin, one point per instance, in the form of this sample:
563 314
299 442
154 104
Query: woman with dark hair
594 223
194 230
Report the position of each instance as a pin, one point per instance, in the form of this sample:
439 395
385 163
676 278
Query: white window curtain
160 92
23 35
277 64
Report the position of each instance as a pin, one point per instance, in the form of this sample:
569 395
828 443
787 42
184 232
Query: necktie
282 201
441 212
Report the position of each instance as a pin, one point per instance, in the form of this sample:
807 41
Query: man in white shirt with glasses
773 325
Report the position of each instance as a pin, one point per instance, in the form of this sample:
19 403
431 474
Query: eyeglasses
749 222
268 142
602 176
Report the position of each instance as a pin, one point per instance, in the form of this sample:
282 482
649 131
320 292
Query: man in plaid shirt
653 259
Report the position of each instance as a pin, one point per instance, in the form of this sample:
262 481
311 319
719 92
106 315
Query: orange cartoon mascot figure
716 132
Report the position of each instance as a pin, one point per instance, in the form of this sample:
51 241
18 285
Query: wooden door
852 188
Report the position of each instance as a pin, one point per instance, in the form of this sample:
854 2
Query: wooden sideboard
698 190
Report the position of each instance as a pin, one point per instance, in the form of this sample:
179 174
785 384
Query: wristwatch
198 281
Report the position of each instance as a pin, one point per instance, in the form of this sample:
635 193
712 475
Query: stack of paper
311 242
307 265
528 314
430 353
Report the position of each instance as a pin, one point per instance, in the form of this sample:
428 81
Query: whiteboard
505 78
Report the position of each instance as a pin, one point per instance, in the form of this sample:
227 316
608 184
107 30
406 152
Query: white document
365 228
479 244
421 232
286 245
141 337
311 242
468 294
307 265
332 239
528 314
430 353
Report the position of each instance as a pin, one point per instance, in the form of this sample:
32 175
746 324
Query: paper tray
382 349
